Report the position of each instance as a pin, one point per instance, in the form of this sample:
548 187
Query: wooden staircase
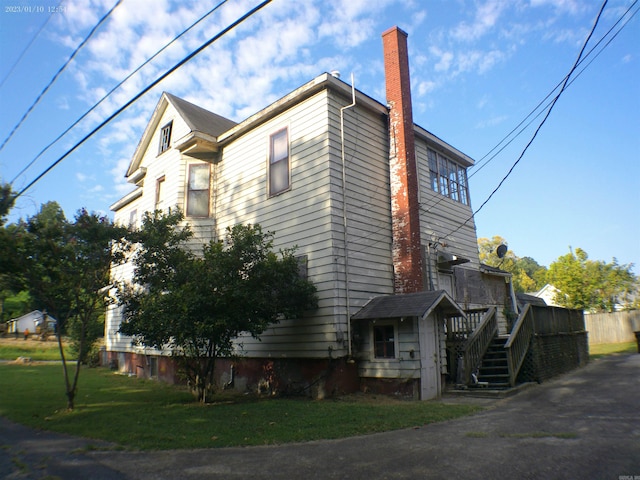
493 372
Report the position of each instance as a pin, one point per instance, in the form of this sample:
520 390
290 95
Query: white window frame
165 138
189 190
447 177
286 159
161 186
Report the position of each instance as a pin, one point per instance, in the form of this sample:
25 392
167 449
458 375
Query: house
32 321
548 294
379 209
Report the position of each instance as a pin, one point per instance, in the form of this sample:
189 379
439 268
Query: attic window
165 138
448 178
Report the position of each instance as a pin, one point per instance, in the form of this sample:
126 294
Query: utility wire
145 90
479 166
33 39
573 79
60 70
115 88
535 134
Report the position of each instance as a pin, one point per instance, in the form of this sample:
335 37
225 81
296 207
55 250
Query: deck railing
478 342
518 343
459 327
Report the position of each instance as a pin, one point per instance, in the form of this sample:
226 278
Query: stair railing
518 343
478 343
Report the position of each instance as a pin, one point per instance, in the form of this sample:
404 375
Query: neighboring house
378 207
548 293
32 321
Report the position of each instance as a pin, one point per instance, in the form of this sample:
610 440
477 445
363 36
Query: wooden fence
616 327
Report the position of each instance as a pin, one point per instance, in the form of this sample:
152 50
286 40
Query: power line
477 165
480 165
60 70
33 39
115 88
535 134
573 79
145 90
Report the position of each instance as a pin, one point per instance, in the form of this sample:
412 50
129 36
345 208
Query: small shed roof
418 304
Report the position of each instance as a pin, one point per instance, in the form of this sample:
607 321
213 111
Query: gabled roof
418 305
198 119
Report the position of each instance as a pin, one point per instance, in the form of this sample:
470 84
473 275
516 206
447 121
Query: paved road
582 425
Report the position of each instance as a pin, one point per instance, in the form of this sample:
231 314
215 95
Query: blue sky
478 69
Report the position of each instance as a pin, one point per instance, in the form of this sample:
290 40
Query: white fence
617 327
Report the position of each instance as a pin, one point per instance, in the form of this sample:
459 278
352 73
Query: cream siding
309 215
173 166
440 218
401 367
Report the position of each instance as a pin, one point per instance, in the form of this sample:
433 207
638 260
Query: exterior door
430 380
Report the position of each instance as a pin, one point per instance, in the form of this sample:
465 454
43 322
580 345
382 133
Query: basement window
384 341
448 178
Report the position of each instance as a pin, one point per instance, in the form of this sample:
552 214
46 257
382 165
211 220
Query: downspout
344 215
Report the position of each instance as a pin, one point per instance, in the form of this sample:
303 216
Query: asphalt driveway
582 425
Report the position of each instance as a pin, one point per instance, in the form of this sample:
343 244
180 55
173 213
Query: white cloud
486 16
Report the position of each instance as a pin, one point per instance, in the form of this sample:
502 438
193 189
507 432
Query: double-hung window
447 177
279 175
198 191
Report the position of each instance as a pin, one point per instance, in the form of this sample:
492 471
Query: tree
65 267
590 285
10 237
196 305
527 274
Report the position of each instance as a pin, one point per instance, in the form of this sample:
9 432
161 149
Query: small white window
165 138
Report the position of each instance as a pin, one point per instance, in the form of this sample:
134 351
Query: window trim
447 177
188 189
160 185
286 159
396 348
163 145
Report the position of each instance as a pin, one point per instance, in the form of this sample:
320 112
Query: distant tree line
591 285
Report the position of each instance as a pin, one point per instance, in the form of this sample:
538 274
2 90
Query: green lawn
151 415
597 351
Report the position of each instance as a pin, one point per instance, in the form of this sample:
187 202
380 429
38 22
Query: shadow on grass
142 414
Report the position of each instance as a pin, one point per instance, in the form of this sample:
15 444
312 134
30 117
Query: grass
142 414
598 351
12 348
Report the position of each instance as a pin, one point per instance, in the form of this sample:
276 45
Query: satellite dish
501 251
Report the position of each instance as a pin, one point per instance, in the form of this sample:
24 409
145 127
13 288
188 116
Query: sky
478 67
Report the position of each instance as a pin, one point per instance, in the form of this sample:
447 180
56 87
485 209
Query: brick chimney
405 211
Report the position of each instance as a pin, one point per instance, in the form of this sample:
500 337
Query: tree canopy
197 304
527 274
591 284
65 266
